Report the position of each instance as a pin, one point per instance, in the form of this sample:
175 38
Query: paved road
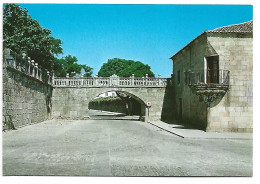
119 148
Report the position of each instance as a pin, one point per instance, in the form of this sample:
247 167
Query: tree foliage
68 64
125 68
23 34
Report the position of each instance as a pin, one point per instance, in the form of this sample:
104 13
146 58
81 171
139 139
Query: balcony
208 85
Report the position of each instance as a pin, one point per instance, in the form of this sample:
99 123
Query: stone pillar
205 70
96 80
36 67
133 80
146 79
53 76
82 80
33 68
159 80
24 55
110 80
48 77
40 73
23 68
67 80
29 67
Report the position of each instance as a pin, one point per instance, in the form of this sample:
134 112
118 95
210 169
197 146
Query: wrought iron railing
27 66
112 81
208 77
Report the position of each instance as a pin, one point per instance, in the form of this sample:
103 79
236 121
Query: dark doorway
180 108
213 69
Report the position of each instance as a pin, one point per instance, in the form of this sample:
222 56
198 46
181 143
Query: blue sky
147 33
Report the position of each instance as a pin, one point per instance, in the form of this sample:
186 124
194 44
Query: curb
166 130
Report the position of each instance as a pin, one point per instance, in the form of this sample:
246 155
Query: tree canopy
68 64
125 68
22 34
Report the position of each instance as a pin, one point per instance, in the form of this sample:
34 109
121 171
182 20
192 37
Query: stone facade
26 100
72 103
233 112
193 111
236 108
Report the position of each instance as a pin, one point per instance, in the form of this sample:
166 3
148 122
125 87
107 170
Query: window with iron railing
213 76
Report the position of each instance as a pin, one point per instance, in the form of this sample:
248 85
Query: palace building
213 80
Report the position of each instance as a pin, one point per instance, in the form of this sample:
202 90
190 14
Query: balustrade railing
24 64
29 67
208 77
113 81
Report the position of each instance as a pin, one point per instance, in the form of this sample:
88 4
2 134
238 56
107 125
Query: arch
142 111
70 103
128 92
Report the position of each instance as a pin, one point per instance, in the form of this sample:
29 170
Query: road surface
119 148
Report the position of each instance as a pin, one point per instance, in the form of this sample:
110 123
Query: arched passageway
72 103
117 105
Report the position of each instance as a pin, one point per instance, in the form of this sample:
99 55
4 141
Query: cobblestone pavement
119 148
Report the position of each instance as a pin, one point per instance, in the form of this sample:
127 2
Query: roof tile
246 27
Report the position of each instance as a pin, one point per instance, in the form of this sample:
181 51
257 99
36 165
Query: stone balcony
208 85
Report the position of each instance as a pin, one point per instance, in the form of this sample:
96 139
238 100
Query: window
106 94
179 76
213 69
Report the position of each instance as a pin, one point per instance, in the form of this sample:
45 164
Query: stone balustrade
112 81
26 66
29 67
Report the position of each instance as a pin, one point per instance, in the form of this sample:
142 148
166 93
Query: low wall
26 100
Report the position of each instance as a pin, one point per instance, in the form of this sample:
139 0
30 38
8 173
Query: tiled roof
246 27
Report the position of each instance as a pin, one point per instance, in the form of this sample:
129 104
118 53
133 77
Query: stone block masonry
236 55
31 95
72 103
26 100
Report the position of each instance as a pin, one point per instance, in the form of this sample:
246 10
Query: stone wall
235 111
72 103
26 100
194 112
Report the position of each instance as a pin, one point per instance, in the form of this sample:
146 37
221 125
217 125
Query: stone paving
119 148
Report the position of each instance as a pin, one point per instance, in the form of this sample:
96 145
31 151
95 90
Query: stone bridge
32 94
71 96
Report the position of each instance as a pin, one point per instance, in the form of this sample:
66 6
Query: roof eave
188 45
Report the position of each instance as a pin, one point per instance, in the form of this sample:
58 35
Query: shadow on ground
180 125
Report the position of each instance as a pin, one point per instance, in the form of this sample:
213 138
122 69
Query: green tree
68 64
125 68
23 34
